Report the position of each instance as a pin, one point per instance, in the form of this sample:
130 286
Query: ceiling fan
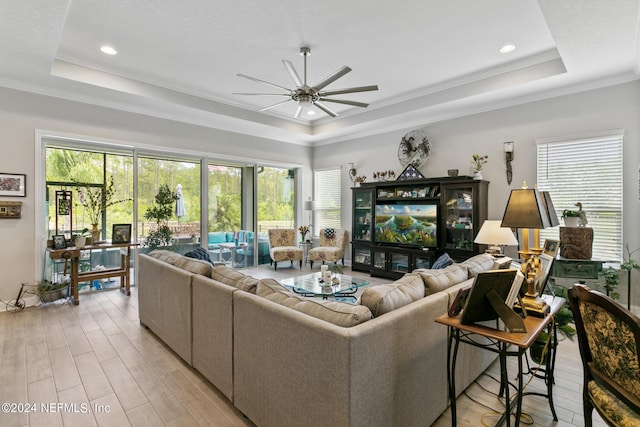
306 96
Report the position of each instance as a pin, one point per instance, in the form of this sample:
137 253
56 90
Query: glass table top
310 283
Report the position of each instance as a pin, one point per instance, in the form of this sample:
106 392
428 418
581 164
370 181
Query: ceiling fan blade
293 73
325 109
298 111
332 78
274 105
342 101
350 90
262 81
268 94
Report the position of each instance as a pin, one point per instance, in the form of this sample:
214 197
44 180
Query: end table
305 246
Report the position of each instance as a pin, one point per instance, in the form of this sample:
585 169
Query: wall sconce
508 158
352 172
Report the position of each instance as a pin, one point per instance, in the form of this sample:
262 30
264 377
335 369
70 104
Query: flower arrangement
304 230
96 199
479 161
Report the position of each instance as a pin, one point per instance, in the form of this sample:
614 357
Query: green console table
577 268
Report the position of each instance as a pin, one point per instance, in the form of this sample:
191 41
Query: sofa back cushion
439 280
169 257
234 278
381 299
478 263
196 266
336 312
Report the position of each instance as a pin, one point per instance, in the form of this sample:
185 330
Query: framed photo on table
121 233
13 185
59 242
551 247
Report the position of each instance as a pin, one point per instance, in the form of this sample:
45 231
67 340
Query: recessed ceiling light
507 48
109 50
311 112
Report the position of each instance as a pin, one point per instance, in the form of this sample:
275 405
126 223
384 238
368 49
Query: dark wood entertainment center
418 220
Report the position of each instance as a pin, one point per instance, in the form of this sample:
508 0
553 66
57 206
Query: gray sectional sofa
284 360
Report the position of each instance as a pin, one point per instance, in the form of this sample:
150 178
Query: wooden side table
502 342
72 254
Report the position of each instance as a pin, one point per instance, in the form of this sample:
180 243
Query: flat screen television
407 223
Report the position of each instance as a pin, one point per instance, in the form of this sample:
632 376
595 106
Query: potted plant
160 212
570 217
478 162
563 320
52 291
96 200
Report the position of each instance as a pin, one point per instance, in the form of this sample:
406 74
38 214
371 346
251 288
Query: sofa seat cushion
196 266
169 257
439 280
381 299
336 312
234 278
478 263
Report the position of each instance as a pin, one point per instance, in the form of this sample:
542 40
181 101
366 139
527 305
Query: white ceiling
431 59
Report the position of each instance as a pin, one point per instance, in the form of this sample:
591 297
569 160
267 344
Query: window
327 194
586 170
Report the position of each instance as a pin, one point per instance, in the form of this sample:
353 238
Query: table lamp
525 210
491 233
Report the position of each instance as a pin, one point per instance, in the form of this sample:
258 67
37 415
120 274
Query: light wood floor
107 370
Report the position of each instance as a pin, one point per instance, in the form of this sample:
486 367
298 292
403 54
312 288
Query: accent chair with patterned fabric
333 242
282 246
609 338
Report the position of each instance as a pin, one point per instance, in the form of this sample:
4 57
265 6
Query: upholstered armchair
332 245
282 246
609 338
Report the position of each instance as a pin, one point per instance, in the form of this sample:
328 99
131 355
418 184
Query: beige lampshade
491 233
525 209
309 205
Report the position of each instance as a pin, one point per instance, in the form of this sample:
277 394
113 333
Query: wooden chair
332 246
609 338
282 246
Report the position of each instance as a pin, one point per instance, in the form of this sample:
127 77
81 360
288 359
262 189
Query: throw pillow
381 299
199 253
329 233
443 261
439 280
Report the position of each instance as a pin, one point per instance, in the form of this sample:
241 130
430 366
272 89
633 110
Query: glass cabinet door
362 215
399 262
459 218
380 260
421 261
362 255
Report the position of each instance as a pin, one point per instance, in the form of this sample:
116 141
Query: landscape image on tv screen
408 224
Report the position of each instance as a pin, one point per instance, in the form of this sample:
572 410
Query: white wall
454 141
21 114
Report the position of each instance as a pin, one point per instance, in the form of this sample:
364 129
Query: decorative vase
81 241
477 175
95 234
571 221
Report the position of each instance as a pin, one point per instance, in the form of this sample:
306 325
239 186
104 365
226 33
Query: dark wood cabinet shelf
422 220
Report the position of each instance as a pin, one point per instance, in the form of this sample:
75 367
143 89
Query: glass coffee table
309 285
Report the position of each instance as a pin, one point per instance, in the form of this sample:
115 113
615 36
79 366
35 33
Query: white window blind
586 170
327 196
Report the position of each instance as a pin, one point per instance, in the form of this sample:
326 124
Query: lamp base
535 306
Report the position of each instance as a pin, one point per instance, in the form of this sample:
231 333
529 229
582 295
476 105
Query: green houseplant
564 324
52 291
160 212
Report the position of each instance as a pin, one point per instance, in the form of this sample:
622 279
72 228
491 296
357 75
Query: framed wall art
121 233
13 185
